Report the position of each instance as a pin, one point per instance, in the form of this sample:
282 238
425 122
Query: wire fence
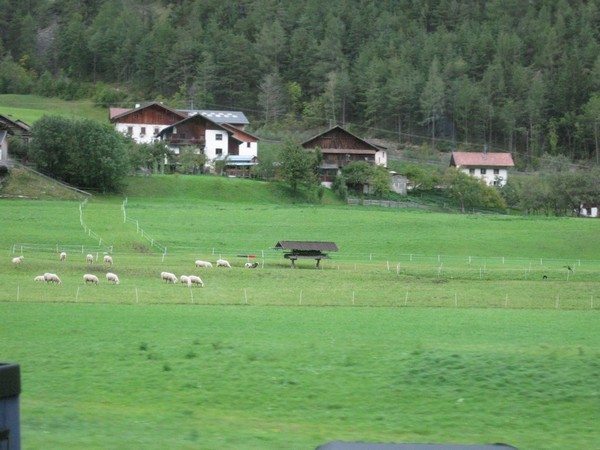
357 279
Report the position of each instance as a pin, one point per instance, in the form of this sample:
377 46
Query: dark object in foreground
10 388
380 446
305 250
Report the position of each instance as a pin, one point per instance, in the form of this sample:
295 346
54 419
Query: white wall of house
492 176
142 134
588 211
4 149
381 158
217 143
249 149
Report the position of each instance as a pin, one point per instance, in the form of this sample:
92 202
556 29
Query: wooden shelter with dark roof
306 250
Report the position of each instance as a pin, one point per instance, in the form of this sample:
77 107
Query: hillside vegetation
517 76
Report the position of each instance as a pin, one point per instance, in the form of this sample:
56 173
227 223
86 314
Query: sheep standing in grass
223 263
63 256
89 258
195 280
250 265
51 278
89 278
18 259
108 260
184 279
168 277
39 278
112 277
200 263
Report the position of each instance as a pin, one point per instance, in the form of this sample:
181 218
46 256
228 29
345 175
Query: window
142 131
129 131
483 171
496 171
219 137
219 151
248 144
471 171
156 131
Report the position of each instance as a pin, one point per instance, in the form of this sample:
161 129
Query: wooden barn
340 147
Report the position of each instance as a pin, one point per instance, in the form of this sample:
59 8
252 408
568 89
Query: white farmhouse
217 141
144 122
492 168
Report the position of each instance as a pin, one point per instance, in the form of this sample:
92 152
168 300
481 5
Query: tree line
519 76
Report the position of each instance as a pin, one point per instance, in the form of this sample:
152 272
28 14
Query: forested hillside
521 76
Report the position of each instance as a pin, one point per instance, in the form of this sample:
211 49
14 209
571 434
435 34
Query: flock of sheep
52 278
167 277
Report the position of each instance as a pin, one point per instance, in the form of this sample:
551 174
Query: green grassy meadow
30 108
424 327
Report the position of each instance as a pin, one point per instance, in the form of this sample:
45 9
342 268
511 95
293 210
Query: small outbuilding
295 250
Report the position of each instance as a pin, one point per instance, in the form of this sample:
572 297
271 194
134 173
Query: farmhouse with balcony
11 127
492 168
339 147
237 148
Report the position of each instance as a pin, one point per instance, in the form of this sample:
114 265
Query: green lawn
424 327
30 108
184 376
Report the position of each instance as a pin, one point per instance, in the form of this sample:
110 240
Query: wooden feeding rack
305 250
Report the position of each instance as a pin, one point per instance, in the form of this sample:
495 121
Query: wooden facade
339 147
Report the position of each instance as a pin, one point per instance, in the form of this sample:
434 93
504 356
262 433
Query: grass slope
23 183
30 108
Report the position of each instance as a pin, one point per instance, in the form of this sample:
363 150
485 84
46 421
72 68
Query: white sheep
223 263
89 278
200 263
108 260
18 259
112 277
39 278
195 280
168 277
250 265
63 256
51 278
184 279
89 258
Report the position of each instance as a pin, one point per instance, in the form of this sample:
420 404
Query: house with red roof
492 168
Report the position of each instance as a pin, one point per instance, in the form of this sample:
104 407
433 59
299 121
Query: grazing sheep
89 258
195 280
112 277
168 277
184 279
250 265
18 259
89 278
63 256
108 260
51 278
223 263
39 278
201 263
